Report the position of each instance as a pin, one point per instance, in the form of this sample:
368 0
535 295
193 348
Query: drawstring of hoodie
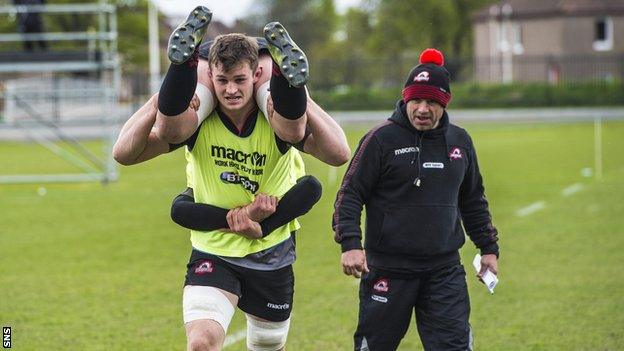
416 157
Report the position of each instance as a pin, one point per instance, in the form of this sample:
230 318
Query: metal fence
551 69
56 96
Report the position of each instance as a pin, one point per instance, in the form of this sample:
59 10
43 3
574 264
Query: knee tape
266 336
206 302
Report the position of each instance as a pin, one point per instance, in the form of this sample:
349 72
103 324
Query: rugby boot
186 38
290 59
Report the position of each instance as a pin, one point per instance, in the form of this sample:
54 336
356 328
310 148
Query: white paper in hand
490 279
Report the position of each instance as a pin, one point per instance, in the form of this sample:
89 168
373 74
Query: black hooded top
418 188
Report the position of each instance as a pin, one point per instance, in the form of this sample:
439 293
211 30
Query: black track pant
439 299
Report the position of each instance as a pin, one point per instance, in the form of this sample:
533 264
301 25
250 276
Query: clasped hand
245 221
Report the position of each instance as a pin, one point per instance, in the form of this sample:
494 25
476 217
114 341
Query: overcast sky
226 11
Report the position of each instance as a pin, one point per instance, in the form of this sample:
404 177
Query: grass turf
93 267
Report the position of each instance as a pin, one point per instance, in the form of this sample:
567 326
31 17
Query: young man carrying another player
235 154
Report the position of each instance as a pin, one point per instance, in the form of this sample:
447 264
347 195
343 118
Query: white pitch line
532 208
234 338
572 189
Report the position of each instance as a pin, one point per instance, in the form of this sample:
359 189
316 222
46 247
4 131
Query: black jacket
417 188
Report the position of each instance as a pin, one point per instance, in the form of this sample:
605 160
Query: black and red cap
429 80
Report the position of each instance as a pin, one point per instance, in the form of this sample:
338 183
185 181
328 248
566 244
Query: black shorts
264 294
439 298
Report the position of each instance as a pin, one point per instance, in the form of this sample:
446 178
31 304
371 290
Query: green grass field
93 267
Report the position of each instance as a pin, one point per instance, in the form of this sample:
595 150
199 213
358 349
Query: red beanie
429 80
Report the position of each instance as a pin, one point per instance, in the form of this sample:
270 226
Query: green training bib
227 171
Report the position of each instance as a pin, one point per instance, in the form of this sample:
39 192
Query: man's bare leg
175 121
289 75
136 141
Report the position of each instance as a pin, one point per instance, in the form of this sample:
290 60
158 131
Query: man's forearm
346 220
358 183
296 202
134 135
197 216
474 209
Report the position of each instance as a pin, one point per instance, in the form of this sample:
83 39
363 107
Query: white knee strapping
262 95
206 102
266 336
206 302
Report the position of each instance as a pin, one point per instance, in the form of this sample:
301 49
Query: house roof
528 9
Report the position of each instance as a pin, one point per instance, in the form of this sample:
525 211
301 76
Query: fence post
598 147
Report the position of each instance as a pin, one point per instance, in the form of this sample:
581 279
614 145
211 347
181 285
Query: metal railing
366 72
46 94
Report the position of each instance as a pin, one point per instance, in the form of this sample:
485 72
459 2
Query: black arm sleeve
357 185
197 216
296 202
474 208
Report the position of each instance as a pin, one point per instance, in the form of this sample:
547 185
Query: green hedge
474 95
346 99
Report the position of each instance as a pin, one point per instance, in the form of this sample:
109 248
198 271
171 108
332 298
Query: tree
403 28
345 59
377 43
310 23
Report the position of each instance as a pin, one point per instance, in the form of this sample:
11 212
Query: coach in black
418 177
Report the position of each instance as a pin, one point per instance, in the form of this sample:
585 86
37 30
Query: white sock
262 96
206 102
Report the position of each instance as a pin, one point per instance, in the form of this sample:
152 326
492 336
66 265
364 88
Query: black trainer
186 38
291 60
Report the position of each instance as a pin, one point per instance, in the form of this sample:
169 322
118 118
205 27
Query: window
601 30
603 34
